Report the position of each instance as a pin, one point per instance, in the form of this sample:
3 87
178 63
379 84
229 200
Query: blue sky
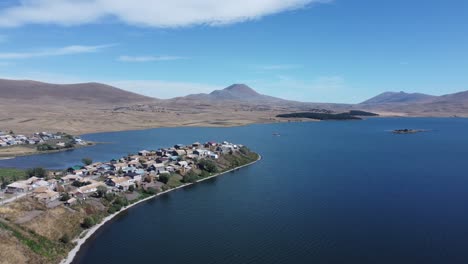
323 51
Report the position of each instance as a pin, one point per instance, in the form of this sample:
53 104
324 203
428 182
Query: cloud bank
68 50
148 58
152 13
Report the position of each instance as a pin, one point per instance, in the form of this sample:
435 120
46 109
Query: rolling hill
89 93
399 97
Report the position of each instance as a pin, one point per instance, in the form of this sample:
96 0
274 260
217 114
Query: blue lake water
324 192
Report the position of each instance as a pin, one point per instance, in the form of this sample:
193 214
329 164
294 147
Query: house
71 201
158 167
201 152
47 196
71 178
116 181
178 146
40 183
144 153
89 189
18 187
74 168
183 164
179 152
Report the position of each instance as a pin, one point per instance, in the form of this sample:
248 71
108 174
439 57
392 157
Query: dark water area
324 192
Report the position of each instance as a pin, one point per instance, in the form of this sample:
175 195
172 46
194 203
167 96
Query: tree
38 172
101 191
191 177
131 188
65 239
88 222
65 197
164 178
208 165
87 161
151 191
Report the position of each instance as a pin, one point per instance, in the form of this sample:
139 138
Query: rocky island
45 216
408 131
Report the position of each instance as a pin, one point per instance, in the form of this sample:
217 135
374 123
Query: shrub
38 172
151 191
65 197
164 178
208 165
88 222
65 239
191 177
87 161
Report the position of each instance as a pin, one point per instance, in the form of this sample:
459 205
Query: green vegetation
45 147
8 176
87 161
88 222
191 177
38 172
65 197
207 165
164 178
175 180
321 116
361 113
351 115
80 184
38 244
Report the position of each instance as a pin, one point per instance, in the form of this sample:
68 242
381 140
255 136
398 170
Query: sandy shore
83 237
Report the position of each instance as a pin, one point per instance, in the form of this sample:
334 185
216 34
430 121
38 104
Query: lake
324 192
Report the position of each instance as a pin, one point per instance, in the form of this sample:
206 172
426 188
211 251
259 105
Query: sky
342 51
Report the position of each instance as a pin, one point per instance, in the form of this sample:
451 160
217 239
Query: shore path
83 237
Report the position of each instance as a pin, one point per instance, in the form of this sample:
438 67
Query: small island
45 216
407 131
327 115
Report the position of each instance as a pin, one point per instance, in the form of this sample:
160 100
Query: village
48 211
58 140
148 171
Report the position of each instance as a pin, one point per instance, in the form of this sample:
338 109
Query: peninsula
14 145
47 217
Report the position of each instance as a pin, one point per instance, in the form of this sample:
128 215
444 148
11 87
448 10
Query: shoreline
81 240
37 152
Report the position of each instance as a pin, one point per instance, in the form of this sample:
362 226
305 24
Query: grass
175 181
36 243
11 175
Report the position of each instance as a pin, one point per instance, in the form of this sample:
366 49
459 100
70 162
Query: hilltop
89 93
398 97
417 104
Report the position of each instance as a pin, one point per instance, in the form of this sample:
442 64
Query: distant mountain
235 92
417 104
33 91
399 98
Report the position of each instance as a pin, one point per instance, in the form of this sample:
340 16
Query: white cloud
148 58
275 67
153 13
68 50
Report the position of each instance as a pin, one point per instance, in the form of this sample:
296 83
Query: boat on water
276 134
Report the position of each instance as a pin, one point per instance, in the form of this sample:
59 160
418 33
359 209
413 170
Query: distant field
11 175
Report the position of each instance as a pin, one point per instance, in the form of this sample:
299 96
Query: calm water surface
325 192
